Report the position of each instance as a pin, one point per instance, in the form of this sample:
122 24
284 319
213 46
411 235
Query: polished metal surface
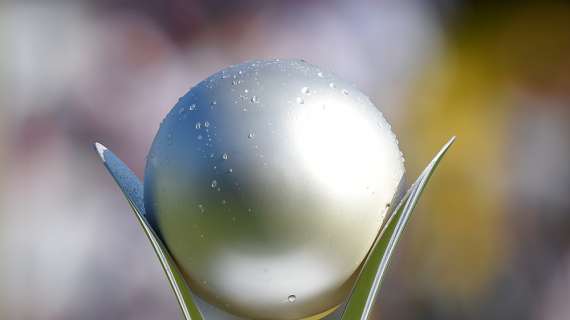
367 287
268 183
133 190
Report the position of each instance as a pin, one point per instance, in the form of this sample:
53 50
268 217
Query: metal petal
133 190
367 286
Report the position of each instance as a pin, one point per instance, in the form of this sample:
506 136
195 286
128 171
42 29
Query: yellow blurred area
463 232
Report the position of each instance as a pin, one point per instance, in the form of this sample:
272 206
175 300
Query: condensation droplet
206 124
153 161
224 202
300 100
225 156
332 85
201 207
198 125
192 107
345 92
292 298
214 184
230 170
320 74
305 90
251 135
254 99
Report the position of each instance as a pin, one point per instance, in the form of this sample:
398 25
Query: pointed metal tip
445 147
440 154
100 149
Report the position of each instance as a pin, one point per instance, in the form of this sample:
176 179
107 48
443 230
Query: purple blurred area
490 239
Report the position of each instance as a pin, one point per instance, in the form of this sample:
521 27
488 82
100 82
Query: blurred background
491 240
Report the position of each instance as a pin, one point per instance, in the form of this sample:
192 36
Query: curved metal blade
133 190
367 286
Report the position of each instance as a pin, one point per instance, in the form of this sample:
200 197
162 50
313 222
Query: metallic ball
268 183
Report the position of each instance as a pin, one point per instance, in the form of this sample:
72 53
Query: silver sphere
268 183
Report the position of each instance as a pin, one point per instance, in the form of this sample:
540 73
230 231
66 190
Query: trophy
273 190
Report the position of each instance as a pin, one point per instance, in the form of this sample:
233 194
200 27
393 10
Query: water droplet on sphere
206 124
254 99
225 156
305 90
201 207
300 100
345 92
320 74
198 125
251 135
332 85
214 184
292 298
153 161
